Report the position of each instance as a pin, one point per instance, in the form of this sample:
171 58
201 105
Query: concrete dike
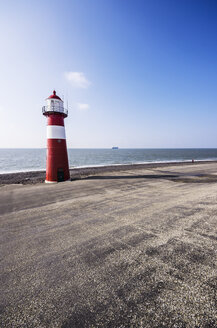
124 246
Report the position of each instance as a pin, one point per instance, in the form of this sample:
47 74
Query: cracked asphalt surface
129 248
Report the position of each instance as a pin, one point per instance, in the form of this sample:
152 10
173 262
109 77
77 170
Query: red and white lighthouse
57 168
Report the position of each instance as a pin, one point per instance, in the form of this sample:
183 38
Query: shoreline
115 164
33 177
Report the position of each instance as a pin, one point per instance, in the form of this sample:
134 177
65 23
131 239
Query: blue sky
136 73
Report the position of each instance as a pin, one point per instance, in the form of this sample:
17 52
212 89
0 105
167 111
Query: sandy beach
124 246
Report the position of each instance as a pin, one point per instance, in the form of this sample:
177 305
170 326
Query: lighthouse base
46 181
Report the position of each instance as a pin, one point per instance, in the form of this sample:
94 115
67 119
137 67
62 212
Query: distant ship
114 147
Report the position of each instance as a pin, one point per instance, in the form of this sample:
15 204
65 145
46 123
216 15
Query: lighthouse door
60 175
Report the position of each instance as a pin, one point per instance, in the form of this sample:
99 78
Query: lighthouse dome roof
54 96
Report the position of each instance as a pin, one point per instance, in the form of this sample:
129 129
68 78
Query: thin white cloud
77 79
82 107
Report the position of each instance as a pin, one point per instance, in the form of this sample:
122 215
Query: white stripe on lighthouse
56 132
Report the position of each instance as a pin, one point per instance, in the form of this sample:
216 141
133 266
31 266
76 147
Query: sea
22 160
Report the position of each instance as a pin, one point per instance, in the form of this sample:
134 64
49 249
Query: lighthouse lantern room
57 167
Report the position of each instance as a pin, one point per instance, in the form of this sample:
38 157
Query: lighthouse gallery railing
57 109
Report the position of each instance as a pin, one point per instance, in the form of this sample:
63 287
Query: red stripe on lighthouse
57 160
55 119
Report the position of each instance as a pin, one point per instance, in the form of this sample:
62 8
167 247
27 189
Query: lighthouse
57 167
